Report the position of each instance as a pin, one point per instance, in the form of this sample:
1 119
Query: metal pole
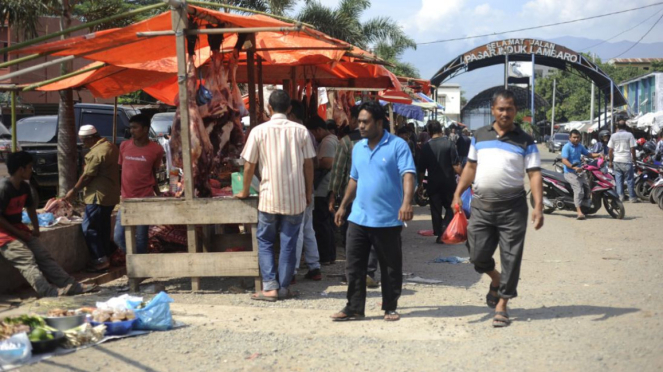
552 121
612 107
115 121
261 85
591 110
506 71
14 139
605 110
533 78
598 118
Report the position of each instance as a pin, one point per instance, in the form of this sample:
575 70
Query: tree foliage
573 98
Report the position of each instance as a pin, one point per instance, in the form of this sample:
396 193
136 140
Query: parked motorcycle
422 198
647 173
656 195
558 193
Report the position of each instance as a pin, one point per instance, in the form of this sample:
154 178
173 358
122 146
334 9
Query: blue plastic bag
45 219
466 198
156 315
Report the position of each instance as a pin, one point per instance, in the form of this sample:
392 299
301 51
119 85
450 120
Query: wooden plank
192 242
254 239
261 85
173 265
112 274
200 211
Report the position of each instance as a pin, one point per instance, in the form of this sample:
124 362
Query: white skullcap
87 130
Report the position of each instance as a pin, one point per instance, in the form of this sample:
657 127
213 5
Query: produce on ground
83 335
101 316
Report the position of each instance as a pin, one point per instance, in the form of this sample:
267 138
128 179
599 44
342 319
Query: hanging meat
215 123
201 147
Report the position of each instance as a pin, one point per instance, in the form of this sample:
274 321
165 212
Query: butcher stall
199 73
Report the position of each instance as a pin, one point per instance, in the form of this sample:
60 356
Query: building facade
448 95
644 93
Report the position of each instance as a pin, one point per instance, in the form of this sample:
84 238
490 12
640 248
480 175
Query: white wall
449 97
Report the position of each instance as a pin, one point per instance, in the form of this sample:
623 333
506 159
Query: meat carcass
59 208
338 113
201 147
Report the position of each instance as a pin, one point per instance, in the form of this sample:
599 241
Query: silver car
557 141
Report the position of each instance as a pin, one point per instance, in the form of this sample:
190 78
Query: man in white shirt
283 149
622 157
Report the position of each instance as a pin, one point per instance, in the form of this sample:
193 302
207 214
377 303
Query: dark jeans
506 226
324 230
387 243
438 201
372 258
97 231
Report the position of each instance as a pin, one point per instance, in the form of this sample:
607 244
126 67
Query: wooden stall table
196 263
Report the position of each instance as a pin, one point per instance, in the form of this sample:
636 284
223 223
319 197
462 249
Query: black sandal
501 319
491 300
390 313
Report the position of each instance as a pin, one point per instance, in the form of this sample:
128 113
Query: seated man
571 154
20 246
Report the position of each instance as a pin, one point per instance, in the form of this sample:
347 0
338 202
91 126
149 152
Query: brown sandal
391 316
343 317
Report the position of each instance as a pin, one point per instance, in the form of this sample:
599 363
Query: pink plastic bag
456 232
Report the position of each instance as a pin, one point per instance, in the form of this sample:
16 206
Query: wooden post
261 94
250 68
14 139
115 122
391 119
254 247
130 239
179 18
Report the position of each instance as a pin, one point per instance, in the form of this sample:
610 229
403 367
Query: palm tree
24 15
382 35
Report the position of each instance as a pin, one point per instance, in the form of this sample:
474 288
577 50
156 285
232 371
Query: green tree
573 98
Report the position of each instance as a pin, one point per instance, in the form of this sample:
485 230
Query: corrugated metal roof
635 60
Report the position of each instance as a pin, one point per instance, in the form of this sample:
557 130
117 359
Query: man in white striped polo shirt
500 155
285 154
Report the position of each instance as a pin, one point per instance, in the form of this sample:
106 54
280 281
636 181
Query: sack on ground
155 316
456 232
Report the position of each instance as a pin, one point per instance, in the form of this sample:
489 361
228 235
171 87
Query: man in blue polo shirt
382 180
572 154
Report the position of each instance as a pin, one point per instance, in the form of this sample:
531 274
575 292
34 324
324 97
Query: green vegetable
33 321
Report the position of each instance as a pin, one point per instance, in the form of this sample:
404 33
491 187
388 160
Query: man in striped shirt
285 154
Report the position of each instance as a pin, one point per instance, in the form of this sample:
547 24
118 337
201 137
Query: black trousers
438 201
505 225
324 230
372 258
387 243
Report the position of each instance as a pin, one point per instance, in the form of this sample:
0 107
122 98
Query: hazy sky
427 20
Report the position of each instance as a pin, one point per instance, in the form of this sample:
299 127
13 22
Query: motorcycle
558 193
647 173
558 165
656 195
422 198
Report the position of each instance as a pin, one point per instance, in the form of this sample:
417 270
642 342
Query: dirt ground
590 299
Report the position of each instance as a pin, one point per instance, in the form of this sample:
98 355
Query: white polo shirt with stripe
501 163
280 147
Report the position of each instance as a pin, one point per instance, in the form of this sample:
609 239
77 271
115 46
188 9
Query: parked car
162 122
38 136
557 141
5 141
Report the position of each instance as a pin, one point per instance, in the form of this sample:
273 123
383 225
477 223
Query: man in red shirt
139 160
21 246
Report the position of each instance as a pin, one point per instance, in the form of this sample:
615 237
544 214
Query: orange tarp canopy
122 47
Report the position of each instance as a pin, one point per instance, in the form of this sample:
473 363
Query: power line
542 26
643 36
623 32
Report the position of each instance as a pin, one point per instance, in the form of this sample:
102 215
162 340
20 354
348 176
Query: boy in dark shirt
20 246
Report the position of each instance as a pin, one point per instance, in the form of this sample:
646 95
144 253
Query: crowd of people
316 178
364 184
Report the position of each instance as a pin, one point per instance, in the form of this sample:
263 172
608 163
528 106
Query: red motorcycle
558 193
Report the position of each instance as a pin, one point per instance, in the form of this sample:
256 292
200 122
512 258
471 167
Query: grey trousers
505 224
39 268
579 185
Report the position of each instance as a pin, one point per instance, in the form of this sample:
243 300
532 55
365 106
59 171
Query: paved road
590 299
